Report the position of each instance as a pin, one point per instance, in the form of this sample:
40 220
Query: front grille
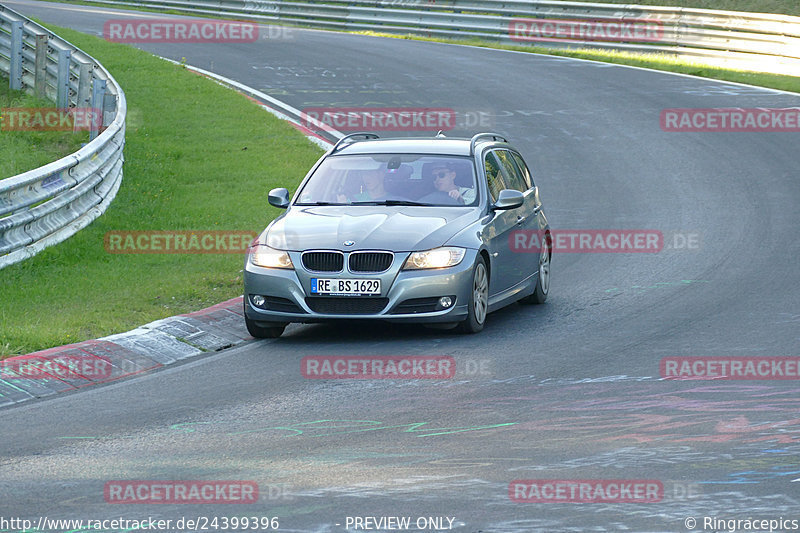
370 261
417 305
347 306
323 261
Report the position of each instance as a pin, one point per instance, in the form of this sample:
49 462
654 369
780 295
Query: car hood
396 228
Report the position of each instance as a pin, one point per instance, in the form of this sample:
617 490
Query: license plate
356 287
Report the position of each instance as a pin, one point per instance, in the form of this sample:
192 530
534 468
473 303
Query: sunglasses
441 173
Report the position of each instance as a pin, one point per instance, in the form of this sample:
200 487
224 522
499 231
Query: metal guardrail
731 39
47 205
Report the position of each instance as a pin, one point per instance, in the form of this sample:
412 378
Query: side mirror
279 197
508 199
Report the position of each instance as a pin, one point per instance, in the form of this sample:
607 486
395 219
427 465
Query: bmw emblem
349 243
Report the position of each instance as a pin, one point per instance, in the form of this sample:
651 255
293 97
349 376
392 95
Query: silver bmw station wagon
411 230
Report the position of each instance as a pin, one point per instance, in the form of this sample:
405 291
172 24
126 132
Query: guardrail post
83 99
40 69
98 98
15 74
62 98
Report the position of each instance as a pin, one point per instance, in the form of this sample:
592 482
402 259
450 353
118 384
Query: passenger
373 188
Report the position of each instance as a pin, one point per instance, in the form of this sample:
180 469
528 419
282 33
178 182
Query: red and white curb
154 345
108 359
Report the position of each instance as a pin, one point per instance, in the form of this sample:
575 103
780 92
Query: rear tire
478 306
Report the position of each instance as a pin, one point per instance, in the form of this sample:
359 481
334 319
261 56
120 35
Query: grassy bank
26 150
198 156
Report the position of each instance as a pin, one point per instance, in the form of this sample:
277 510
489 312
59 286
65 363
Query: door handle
537 209
520 219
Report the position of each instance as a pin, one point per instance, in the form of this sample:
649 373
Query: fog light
259 300
445 302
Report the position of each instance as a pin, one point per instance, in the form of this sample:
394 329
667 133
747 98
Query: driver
444 179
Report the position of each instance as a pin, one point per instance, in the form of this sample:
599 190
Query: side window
526 174
514 179
494 174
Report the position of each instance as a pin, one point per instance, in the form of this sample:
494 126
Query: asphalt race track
567 390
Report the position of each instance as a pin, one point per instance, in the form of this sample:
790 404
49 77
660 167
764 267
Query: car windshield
392 179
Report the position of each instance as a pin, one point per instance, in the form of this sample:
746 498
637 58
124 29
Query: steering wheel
441 197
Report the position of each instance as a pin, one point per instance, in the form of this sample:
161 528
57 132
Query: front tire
542 289
478 306
261 331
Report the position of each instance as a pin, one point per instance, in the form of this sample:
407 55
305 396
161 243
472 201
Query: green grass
198 156
25 150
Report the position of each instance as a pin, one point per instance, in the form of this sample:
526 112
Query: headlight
437 258
264 256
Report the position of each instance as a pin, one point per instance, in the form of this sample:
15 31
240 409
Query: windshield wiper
321 203
403 202
390 202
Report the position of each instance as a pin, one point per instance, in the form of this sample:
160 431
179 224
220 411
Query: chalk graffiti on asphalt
316 428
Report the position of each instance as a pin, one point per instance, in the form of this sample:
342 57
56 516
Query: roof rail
341 142
478 136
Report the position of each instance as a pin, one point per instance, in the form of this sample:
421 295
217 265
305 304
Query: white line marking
262 96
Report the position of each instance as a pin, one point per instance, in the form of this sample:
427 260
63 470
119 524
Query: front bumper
406 295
